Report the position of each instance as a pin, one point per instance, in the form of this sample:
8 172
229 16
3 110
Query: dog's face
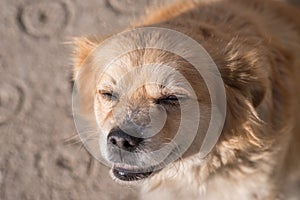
146 105
139 107
152 107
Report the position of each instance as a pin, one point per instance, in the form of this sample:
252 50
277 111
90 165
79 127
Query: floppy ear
83 76
83 47
258 88
246 70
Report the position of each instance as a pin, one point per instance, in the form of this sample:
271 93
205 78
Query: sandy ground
35 98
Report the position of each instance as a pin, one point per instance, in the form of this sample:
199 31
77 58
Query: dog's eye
108 95
171 100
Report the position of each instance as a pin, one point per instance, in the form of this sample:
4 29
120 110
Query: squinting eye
107 95
171 99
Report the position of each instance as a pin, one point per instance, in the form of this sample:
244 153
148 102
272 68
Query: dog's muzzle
121 147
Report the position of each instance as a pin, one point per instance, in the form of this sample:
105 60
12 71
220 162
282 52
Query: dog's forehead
154 75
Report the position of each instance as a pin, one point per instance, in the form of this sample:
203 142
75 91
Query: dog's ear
83 47
83 76
246 70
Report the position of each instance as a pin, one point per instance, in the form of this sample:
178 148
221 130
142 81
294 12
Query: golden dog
256 47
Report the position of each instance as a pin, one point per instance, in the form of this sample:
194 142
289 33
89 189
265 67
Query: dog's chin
126 174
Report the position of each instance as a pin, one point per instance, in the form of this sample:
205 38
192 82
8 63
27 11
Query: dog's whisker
73 139
78 138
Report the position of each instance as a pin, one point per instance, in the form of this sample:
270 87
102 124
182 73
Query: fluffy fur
256 46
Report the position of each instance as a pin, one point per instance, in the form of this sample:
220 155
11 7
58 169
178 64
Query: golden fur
256 46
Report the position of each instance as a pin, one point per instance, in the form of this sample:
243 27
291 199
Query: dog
255 46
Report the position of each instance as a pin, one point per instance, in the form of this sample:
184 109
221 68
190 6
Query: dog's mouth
131 173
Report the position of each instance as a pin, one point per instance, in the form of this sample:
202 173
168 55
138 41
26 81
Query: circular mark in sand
44 19
12 98
128 6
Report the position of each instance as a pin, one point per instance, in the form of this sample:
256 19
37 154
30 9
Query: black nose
119 138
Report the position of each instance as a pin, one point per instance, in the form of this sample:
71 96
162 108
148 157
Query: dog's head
139 99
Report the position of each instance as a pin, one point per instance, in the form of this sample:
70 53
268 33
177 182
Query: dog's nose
124 141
